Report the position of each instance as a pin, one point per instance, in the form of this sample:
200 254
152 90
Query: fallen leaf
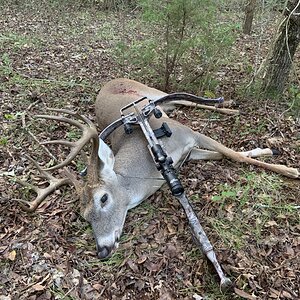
97 286
38 287
171 251
47 255
244 294
271 223
3 297
141 259
12 255
132 265
287 295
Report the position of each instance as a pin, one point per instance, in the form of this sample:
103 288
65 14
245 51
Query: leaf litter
50 254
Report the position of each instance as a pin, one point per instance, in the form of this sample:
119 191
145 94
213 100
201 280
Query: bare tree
249 13
281 58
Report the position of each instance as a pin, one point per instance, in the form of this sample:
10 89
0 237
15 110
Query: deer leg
201 154
208 143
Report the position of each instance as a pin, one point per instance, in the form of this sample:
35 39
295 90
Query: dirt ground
53 58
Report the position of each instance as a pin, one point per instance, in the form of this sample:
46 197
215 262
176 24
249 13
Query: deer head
102 204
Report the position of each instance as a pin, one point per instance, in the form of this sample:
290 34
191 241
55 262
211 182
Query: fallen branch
219 108
225 111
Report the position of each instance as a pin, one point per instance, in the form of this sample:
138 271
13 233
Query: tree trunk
249 13
280 61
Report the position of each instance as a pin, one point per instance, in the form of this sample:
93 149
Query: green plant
3 141
187 42
251 185
247 206
73 135
19 41
6 65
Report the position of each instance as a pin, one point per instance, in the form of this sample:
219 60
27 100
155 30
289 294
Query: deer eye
104 199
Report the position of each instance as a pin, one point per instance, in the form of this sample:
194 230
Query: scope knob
128 128
157 113
169 160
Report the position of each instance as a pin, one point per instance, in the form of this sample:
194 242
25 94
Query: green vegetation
18 41
180 45
260 187
3 141
252 202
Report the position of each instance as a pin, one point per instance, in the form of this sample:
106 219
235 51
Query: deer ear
107 160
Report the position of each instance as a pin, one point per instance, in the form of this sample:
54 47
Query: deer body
120 177
135 172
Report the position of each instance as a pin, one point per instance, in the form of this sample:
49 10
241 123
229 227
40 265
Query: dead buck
121 177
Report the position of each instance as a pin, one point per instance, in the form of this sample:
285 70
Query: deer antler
42 193
89 133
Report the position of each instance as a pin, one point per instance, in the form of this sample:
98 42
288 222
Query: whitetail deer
121 177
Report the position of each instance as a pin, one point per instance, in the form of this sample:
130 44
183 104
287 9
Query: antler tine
42 193
73 113
89 132
43 172
59 142
61 119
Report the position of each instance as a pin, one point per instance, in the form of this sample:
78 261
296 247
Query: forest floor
61 59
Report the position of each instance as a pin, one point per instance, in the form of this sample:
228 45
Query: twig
276 206
32 104
34 283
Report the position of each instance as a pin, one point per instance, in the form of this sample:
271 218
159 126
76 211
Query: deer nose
104 252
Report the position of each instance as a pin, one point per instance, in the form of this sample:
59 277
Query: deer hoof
275 151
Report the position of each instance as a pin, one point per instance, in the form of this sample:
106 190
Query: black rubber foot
275 152
226 285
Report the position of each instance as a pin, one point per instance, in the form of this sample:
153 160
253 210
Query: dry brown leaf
38 287
47 255
171 251
152 267
271 223
290 251
287 295
97 286
274 293
132 265
12 255
141 259
244 295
